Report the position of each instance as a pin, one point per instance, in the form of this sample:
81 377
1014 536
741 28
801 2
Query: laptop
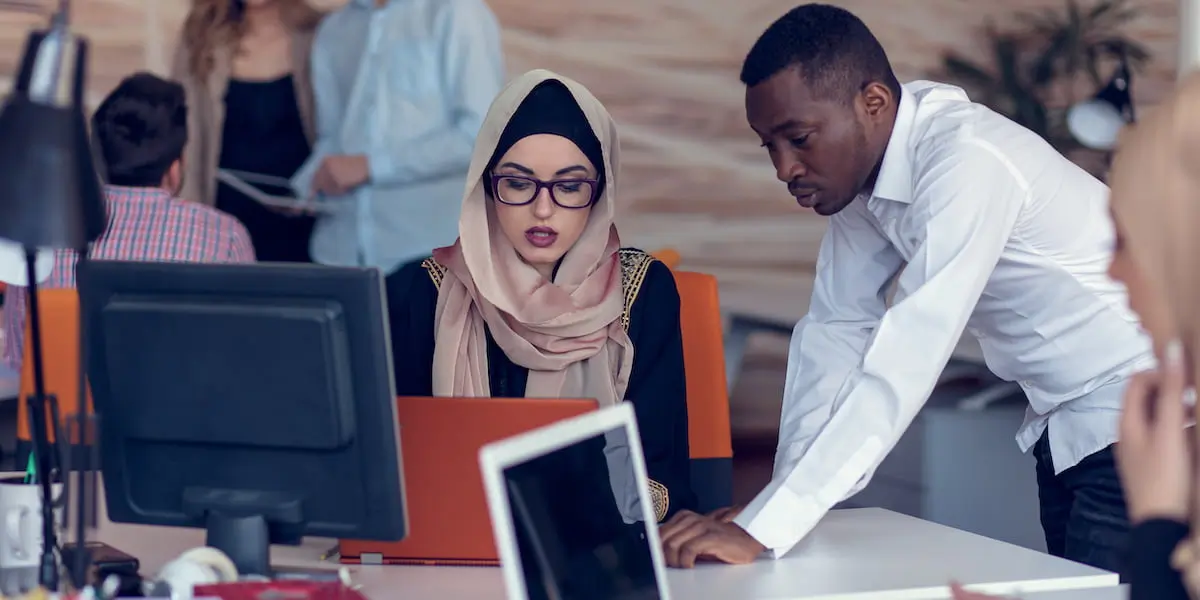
447 509
559 529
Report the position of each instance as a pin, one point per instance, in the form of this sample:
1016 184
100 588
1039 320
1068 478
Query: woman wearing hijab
1155 204
537 298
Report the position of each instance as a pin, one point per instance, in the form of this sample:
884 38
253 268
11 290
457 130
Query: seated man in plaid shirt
141 130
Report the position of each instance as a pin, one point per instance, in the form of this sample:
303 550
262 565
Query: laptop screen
573 541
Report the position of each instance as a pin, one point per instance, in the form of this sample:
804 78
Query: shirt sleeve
658 391
14 326
1148 560
845 408
326 100
472 65
241 248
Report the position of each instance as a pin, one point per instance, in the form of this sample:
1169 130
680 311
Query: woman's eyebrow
517 166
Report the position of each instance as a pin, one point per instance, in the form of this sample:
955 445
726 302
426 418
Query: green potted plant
1033 72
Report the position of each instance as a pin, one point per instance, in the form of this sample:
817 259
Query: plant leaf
965 72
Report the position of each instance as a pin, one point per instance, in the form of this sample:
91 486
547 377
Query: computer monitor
255 401
559 529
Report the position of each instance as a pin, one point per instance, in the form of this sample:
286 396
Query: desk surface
1110 593
852 555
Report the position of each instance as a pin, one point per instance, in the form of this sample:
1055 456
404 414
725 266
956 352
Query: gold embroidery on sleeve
634 266
436 271
661 498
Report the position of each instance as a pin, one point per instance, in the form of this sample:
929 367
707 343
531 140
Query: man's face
818 146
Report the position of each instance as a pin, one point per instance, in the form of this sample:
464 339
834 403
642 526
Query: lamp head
1097 122
50 195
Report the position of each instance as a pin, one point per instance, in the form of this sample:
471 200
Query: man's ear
173 178
878 101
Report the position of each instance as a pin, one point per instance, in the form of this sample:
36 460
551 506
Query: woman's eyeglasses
518 190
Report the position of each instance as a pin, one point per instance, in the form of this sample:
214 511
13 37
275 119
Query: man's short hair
836 53
141 130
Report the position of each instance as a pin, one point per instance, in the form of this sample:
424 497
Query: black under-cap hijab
551 108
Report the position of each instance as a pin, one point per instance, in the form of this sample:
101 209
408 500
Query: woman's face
543 189
1149 303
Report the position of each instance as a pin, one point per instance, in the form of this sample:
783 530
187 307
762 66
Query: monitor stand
244 523
245 540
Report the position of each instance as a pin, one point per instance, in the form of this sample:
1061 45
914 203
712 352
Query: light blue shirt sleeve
472 74
328 101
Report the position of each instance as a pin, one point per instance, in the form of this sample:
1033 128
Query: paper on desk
248 184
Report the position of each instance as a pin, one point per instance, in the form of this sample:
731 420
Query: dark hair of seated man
140 130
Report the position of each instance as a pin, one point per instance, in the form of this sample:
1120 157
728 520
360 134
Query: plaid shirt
147 225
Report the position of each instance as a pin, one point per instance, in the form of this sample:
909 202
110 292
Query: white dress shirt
992 231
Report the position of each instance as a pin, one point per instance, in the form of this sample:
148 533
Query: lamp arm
42 448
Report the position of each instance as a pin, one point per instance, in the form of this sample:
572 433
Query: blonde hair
214 23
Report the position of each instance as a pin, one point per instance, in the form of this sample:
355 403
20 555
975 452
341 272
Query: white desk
854 554
1111 593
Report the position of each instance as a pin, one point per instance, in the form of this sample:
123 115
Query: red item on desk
279 590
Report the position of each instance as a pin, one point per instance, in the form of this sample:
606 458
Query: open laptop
447 508
560 532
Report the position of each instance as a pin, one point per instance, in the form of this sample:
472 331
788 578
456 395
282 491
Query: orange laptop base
447 508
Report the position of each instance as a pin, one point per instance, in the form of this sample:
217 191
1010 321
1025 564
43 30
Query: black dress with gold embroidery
657 386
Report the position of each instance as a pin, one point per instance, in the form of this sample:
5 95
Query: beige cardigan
206 112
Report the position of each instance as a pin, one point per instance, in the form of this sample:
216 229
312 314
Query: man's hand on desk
339 174
727 514
689 536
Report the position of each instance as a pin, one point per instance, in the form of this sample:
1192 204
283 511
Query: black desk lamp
50 197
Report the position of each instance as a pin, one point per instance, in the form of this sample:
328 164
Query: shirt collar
895 172
139 193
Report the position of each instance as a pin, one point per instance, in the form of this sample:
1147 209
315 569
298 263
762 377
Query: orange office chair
60 346
707 395
668 256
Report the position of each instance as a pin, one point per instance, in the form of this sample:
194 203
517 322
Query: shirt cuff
661 497
303 178
381 166
779 519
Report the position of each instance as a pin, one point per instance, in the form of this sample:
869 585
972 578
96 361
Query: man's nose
788 168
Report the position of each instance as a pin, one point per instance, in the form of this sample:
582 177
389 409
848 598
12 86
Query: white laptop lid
559 529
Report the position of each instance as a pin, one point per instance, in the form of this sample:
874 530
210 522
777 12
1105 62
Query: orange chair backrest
668 256
59 310
704 360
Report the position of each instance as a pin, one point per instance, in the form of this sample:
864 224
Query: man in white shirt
988 229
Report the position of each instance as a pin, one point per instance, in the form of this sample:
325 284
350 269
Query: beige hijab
566 332
1155 182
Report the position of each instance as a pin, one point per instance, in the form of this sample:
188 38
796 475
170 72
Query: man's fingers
726 514
703 544
675 524
676 541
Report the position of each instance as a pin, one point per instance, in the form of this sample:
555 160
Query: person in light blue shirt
401 88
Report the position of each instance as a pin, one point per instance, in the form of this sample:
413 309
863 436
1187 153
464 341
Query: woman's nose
543 204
